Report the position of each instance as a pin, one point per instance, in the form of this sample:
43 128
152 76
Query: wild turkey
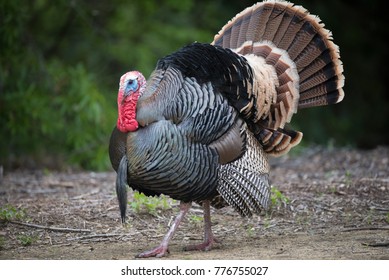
201 127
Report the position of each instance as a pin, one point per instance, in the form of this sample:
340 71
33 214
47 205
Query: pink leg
209 239
162 249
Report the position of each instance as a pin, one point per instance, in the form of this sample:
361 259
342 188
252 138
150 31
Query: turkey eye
131 86
133 83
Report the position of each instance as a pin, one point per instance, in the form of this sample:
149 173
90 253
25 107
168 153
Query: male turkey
201 127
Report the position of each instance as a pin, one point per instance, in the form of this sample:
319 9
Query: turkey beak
126 92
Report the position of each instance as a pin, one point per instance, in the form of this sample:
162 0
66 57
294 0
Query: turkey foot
205 246
209 238
163 250
159 251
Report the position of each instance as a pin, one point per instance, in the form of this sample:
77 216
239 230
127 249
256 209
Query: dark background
61 61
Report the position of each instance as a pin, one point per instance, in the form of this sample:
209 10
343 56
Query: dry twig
365 228
107 235
377 244
49 228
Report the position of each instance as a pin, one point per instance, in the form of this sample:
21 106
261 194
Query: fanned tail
282 40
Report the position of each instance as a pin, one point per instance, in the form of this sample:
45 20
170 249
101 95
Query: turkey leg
209 238
163 248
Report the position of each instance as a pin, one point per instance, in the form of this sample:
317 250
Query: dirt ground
334 205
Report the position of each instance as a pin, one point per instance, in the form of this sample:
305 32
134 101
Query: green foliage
196 219
266 221
85 109
9 212
348 177
277 198
250 231
51 108
149 204
65 113
26 240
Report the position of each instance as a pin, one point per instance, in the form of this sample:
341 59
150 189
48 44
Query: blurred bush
60 63
53 111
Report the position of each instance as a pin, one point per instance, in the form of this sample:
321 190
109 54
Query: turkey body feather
201 127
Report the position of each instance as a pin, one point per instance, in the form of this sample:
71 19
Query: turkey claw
158 252
205 246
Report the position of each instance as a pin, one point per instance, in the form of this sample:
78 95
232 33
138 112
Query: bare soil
337 208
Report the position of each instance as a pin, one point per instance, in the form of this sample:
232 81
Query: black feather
229 73
121 187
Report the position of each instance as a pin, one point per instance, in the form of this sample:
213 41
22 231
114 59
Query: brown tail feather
305 60
279 142
273 25
287 14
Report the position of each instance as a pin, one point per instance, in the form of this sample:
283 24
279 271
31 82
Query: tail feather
292 30
244 27
235 31
254 18
328 98
286 13
280 141
318 78
305 59
314 50
273 24
263 16
320 89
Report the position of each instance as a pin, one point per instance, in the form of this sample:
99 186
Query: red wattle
132 125
127 113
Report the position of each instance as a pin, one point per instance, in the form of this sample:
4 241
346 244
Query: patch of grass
369 218
278 198
333 189
149 204
10 212
267 220
196 219
250 231
348 177
26 240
